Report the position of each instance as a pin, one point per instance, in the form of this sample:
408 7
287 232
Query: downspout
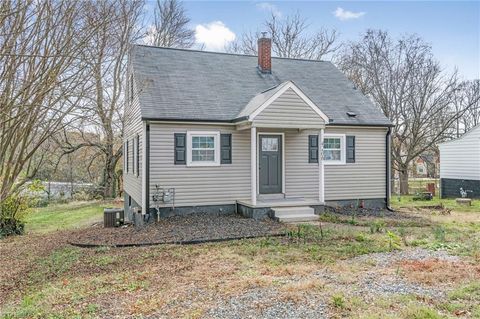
388 168
147 168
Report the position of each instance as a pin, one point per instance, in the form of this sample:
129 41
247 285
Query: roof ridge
224 53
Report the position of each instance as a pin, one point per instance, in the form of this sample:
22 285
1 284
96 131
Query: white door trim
283 158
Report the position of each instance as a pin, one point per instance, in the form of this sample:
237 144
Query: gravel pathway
266 304
389 258
179 229
376 281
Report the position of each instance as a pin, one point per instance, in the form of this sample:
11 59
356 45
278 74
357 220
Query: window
269 144
203 148
334 149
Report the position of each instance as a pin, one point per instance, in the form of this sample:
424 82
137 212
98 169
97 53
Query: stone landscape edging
181 242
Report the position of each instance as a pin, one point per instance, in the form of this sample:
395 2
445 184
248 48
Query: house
425 166
228 132
460 165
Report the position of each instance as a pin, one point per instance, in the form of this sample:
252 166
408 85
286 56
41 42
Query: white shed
460 165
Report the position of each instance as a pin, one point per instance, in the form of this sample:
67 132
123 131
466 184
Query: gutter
245 118
154 119
388 168
360 124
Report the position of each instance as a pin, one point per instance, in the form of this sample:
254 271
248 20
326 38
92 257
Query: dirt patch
179 229
433 271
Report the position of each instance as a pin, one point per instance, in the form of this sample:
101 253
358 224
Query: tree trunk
109 177
403 181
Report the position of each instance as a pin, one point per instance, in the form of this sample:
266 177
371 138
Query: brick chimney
265 54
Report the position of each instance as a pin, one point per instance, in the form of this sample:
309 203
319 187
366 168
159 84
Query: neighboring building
426 166
239 133
460 165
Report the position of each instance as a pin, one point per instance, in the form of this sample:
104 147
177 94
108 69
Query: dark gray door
270 164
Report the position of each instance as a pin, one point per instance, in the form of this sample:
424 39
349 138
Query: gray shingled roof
179 84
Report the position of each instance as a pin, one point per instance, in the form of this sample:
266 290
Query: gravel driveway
374 279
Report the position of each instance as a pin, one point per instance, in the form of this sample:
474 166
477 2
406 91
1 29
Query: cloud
213 36
344 15
266 6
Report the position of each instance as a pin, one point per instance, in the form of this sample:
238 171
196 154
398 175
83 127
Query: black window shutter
133 162
350 149
126 154
180 148
313 148
137 164
226 148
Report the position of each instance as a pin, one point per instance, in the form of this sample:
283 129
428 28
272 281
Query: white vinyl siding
288 110
364 179
200 185
460 159
133 127
301 177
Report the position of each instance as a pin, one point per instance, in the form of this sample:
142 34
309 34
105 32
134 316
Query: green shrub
13 210
15 207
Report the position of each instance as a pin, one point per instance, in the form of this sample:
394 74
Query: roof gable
263 101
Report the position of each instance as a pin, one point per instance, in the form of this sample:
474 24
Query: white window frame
343 149
216 139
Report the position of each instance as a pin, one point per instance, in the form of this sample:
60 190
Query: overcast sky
451 27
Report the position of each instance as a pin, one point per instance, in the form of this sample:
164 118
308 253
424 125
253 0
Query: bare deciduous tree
42 80
468 95
407 83
105 60
290 39
170 28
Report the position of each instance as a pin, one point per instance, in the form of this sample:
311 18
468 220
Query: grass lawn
346 267
65 216
408 202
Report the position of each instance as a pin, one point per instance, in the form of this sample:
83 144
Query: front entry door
270 164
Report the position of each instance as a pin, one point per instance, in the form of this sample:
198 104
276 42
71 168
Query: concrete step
295 214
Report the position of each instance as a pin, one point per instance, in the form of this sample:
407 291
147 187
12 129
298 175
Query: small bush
13 209
82 196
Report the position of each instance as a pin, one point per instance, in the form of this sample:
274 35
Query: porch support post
253 164
321 168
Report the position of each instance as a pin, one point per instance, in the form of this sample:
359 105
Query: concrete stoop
295 214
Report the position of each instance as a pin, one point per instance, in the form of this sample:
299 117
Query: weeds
393 241
377 226
338 301
439 233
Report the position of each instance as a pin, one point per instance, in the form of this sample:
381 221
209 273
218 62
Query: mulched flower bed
191 229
